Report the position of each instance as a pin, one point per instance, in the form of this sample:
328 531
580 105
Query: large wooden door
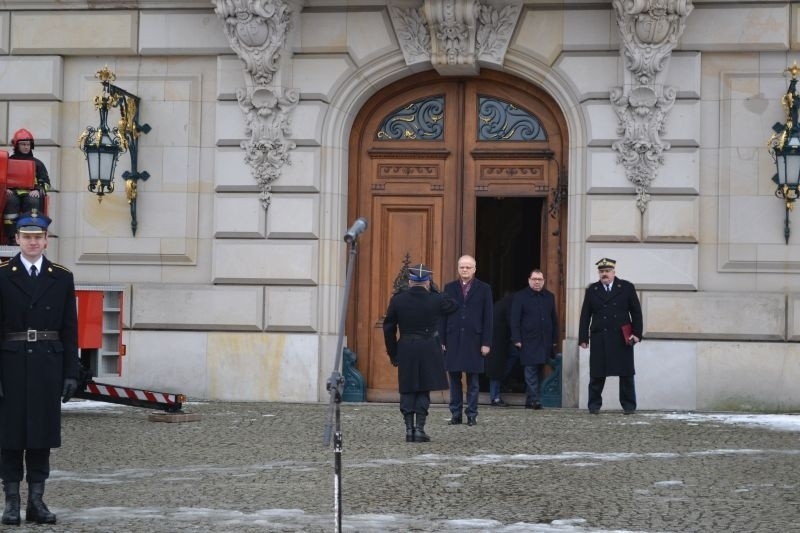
421 152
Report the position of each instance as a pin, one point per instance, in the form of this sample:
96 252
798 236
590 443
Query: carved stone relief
256 31
650 30
456 37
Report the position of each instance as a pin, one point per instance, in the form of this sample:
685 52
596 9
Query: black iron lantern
102 145
784 147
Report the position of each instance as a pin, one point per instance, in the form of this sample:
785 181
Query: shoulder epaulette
61 267
3 264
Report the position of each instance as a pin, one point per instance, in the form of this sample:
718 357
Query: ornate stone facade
650 30
456 37
256 30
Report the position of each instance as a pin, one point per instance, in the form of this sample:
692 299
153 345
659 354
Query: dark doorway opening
508 241
508 247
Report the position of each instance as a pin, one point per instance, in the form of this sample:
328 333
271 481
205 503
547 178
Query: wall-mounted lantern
784 147
102 145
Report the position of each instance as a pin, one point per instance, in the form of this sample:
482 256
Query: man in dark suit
38 366
466 337
534 331
608 305
503 357
417 354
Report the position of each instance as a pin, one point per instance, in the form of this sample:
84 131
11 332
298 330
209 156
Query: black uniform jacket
463 333
602 317
416 312
534 323
33 373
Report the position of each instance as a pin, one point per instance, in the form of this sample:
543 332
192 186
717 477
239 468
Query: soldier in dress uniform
38 366
608 305
417 353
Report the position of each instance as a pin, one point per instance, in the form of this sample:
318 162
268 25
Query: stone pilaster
649 31
256 30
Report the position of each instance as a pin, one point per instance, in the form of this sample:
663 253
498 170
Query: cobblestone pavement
262 467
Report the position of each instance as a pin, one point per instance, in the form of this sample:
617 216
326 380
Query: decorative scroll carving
420 120
256 31
503 121
267 125
650 30
453 25
510 172
412 33
455 36
495 27
408 171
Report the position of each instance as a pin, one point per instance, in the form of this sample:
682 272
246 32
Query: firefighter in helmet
24 200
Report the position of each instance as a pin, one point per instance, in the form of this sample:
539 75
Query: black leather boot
37 511
11 512
409 419
419 430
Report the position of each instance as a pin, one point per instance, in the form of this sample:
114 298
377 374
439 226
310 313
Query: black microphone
358 227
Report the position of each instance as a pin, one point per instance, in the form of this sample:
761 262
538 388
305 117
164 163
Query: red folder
627 331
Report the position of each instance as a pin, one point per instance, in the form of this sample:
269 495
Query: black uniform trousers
415 402
627 393
37 461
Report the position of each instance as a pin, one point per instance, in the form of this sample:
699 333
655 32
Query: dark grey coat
416 313
465 331
602 317
534 323
33 373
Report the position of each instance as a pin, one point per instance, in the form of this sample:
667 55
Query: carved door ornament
422 120
650 30
256 31
503 121
456 37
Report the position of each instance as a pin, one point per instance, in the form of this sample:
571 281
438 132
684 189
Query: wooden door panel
402 226
511 177
404 175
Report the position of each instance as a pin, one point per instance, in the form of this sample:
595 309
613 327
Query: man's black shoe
594 411
537 405
629 411
471 421
454 421
499 403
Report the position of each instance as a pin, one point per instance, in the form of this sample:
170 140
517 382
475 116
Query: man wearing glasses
466 338
534 332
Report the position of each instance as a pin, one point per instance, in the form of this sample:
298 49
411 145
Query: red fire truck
99 319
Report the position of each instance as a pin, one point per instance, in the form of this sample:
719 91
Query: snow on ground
766 421
292 519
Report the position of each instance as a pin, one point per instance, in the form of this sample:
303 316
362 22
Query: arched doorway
443 167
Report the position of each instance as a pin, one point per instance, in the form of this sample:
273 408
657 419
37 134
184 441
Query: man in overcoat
466 337
417 354
502 358
534 331
38 366
608 305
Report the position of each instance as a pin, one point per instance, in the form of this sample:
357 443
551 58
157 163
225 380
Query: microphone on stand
358 227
